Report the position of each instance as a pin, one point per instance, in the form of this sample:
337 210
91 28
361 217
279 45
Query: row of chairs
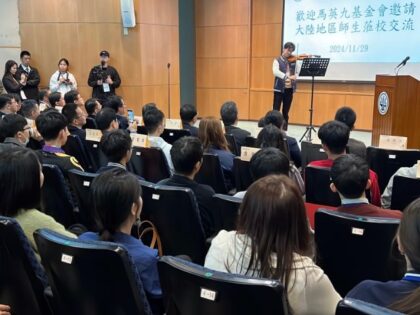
100 278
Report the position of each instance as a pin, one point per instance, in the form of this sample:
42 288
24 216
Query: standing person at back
30 89
104 79
229 115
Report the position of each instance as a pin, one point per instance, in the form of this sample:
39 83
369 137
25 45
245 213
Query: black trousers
286 98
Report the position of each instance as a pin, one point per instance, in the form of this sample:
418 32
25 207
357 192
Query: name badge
106 88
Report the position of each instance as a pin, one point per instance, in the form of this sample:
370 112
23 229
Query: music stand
312 67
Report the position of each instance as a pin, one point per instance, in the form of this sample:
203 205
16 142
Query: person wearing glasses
15 131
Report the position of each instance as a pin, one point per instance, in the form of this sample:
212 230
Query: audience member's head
146 107
30 109
334 136
188 113
25 57
56 99
154 121
15 103
10 68
273 217
106 119
74 114
116 103
21 179
229 113
350 176
211 134
15 126
43 95
5 103
271 137
74 96
269 161
52 126
187 155
92 106
117 203
275 118
347 116
116 145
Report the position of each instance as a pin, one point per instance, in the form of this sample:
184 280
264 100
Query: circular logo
383 103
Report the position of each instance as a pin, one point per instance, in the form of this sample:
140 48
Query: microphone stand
169 90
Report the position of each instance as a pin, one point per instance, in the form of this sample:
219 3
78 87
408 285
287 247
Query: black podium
312 67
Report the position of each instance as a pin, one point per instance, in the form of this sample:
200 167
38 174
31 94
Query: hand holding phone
130 115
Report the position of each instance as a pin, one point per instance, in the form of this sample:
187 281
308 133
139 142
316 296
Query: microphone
404 61
169 65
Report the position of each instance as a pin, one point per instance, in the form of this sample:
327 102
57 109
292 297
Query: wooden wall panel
222 12
210 101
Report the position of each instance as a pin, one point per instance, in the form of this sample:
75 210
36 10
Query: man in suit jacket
229 114
76 119
350 178
188 114
30 88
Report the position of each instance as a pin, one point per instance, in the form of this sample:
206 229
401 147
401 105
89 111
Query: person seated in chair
57 101
347 116
187 156
154 121
334 136
188 114
76 118
106 120
52 126
117 204
401 295
267 161
116 145
15 131
117 104
74 97
229 115
350 179
92 107
7 105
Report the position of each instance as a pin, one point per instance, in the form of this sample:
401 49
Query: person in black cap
104 79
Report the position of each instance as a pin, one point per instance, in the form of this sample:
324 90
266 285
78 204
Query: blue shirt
145 259
225 157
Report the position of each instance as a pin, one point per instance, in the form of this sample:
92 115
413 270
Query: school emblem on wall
383 103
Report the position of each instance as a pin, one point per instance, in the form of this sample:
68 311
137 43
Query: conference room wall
236 43
78 30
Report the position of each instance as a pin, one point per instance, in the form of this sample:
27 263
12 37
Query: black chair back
356 307
190 289
211 173
352 248
150 164
242 174
404 191
175 213
251 142
317 186
148 191
171 135
22 279
226 209
386 162
311 152
75 147
80 183
56 197
96 153
90 123
233 146
90 277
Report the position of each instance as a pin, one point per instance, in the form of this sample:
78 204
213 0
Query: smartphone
130 115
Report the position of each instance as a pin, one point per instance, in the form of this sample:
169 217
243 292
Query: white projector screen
363 38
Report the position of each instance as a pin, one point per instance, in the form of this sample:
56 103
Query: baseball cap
104 53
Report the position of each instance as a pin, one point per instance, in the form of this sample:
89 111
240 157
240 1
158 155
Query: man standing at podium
284 81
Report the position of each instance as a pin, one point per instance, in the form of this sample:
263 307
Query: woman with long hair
401 295
62 80
272 241
10 83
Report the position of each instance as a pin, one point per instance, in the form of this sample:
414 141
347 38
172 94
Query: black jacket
31 87
193 130
99 73
238 133
11 85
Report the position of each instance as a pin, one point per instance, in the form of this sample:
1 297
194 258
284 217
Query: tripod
312 67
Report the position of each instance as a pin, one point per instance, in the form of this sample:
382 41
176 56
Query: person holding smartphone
62 80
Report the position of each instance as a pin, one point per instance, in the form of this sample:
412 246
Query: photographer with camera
104 79
62 80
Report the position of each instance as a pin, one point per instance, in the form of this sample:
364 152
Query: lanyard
413 277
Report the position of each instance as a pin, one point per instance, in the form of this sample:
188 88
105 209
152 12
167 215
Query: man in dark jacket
30 88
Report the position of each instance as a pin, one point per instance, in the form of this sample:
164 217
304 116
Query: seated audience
76 120
116 145
14 129
106 120
53 128
350 179
272 241
30 110
188 114
401 295
187 156
43 99
347 116
276 118
56 100
92 107
117 204
267 161
146 107
229 114
272 137
334 136
21 180
8 105
74 97
410 172
154 121
117 104
211 134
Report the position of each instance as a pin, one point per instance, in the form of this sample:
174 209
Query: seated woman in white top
272 241
62 80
